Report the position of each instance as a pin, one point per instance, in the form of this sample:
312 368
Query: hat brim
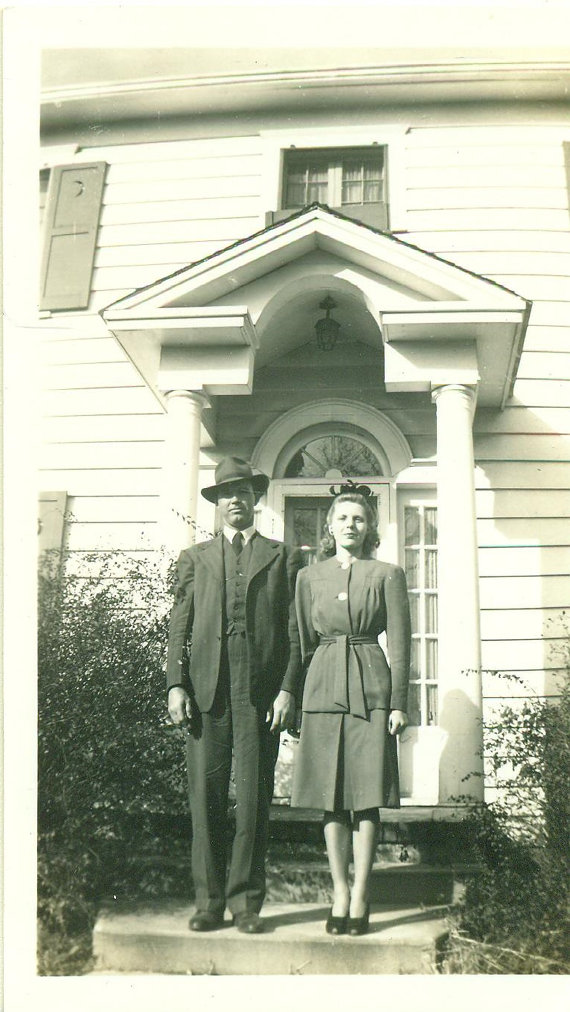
259 483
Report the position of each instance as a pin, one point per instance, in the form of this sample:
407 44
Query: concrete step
154 938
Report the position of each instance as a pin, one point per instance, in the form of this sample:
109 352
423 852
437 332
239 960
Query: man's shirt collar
230 533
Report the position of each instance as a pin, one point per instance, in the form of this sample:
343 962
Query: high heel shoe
359 925
336 925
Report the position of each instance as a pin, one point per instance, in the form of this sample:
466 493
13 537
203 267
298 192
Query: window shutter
71 222
51 519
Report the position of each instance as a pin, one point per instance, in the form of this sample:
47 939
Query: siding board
130 400
109 482
524 591
552 560
522 531
103 428
506 624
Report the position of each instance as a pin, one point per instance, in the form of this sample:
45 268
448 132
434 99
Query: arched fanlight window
332 457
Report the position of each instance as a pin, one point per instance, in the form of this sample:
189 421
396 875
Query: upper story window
357 170
351 179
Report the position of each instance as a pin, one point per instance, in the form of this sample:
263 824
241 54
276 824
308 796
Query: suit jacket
198 616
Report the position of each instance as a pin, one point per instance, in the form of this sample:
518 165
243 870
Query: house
198 227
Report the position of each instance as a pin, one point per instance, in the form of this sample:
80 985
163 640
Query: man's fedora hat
235 469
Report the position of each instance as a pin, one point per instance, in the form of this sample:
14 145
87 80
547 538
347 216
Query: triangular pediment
396 263
259 298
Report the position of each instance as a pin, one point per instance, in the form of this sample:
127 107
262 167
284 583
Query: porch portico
431 330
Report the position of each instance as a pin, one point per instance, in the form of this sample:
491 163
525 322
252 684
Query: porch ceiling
262 295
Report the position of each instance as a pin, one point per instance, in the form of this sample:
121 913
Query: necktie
237 543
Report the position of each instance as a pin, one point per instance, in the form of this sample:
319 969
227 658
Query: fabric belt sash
348 687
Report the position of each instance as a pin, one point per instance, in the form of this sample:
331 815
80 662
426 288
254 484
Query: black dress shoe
336 925
205 920
359 925
248 922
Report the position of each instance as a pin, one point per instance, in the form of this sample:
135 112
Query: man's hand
282 713
397 721
179 705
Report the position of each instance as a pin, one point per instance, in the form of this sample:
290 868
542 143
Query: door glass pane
415 666
414 612
414 708
432 714
431 525
412 568
431 569
412 526
431 613
431 659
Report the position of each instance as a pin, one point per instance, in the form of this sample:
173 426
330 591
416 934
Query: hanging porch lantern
326 328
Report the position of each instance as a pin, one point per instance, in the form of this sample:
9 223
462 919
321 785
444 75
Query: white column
181 464
459 653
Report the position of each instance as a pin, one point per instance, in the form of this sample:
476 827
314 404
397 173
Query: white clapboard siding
77 456
222 230
197 209
539 623
502 263
536 447
518 419
523 655
502 197
199 189
484 176
521 531
91 537
88 564
486 134
103 481
513 691
211 166
88 375
160 151
103 428
490 218
129 400
523 503
544 365
105 298
523 474
144 254
492 145
553 338
550 560
483 242
135 277
114 509
92 350
524 591
538 288
539 392
550 314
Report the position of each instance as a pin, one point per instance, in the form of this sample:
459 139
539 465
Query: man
233 670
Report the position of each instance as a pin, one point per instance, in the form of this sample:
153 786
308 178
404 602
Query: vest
236 582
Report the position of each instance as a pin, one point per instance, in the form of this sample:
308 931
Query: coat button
342 596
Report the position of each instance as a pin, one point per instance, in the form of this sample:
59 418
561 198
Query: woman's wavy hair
371 541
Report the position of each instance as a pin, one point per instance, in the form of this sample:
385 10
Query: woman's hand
397 721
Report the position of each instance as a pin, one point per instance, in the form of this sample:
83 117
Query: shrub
106 759
517 905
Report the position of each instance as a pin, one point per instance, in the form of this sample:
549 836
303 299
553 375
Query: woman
353 703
